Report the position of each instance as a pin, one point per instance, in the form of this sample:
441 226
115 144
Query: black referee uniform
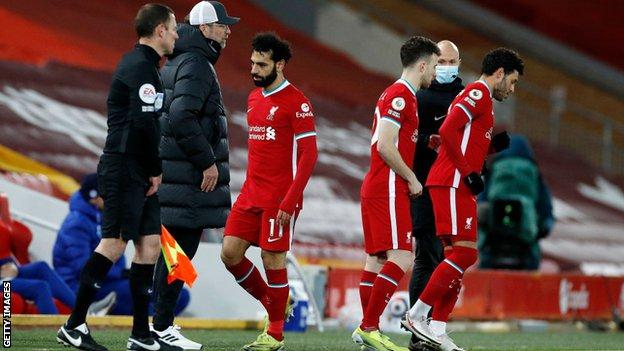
433 104
131 151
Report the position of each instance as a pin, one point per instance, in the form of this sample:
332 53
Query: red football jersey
396 105
471 120
276 119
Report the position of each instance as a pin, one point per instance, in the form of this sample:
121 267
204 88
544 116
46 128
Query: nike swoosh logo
97 285
249 109
439 117
154 346
272 240
76 342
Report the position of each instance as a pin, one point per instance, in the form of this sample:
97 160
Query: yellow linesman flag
178 264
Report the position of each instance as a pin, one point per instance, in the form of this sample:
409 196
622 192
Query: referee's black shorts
127 212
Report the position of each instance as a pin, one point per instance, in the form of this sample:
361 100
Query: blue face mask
446 74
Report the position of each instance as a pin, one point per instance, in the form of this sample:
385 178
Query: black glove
501 141
485 169
474 182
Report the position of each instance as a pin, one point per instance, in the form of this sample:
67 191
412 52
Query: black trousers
429 249
166 295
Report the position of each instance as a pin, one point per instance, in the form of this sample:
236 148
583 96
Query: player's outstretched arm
386 146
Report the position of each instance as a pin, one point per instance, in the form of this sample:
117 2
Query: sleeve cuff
287 207
156 169
203 161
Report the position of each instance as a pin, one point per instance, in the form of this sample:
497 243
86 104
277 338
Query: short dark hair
508 59
416 48
271 42
149 17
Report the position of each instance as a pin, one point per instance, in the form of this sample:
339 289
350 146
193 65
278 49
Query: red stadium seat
18 304
21 237
5 215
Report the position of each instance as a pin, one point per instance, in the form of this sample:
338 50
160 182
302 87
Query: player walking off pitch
387 188
281 157
454 182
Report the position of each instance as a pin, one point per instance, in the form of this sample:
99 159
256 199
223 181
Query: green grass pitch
217 340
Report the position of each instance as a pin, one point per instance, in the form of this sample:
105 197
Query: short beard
425 83
266 81
497 92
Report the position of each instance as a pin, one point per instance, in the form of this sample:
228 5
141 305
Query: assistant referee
129 174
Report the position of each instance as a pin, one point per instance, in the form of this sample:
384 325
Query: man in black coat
195 192
433 104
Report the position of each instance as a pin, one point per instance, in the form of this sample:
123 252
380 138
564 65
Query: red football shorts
387 224
455 212
259 227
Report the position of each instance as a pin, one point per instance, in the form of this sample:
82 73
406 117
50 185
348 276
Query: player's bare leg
233 250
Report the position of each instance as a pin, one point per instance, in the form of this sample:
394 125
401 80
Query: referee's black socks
93 273
141 281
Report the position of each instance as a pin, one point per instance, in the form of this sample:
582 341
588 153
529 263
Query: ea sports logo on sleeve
147 93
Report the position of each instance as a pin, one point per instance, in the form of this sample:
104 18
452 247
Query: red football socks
278 297
445 304
439 283
248 276
366 286
384 286
447 276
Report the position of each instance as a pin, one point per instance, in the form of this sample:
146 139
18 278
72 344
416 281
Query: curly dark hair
508 59
416 48
272 43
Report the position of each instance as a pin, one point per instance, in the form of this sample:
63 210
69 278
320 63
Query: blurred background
56 61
